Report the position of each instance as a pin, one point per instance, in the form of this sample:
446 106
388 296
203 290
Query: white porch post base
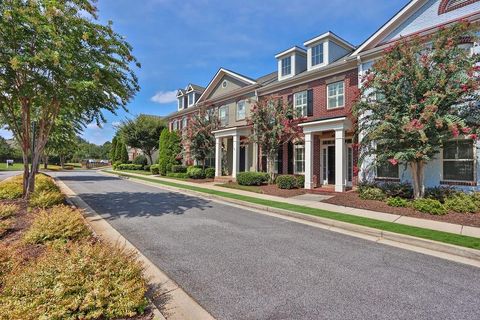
308 160
339 160
218 157
236 155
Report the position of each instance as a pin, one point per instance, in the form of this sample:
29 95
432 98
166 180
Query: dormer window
286 66
317 54
191 99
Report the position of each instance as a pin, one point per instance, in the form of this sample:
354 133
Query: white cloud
116 123
165 97
94 126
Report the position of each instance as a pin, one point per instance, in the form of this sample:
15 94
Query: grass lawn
236 186
455 239
142 172
15 167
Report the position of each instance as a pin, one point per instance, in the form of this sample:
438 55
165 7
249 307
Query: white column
218 157
308 160
247 164
340 160
255 157
236 155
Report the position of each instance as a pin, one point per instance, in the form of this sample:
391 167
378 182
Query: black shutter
310 103
264 163
280 160
290 158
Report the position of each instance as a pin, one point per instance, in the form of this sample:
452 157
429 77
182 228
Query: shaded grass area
15 167
445 237
236 186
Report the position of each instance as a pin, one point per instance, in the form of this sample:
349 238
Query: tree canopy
420 94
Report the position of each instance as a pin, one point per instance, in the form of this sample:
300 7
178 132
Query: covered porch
233 152
329 154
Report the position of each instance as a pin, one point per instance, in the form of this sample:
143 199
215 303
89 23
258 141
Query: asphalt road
6 174
240 264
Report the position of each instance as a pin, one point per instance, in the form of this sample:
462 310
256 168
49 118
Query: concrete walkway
314 203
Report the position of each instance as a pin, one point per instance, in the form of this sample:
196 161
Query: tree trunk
271 168
149 157
418 179
45 162
62 162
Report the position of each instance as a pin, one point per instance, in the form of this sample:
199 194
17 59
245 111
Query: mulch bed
273 190
351 199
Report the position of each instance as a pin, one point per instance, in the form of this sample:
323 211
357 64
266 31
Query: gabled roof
290 50
194 87
218 76
329 34
180 92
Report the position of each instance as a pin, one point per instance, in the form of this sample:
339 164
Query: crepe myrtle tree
274 122
57 59
420 94
198 135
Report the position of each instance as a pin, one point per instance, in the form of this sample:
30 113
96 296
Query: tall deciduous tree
143 133
421 93
275 122
61 141
199 136
56 59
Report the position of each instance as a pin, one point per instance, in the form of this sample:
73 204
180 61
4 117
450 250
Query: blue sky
181 42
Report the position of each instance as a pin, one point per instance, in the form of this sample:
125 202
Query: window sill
458 183
336 108
387 179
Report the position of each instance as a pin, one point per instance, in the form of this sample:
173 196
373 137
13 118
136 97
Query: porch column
308 160
236 155
255 157
218 157
340 160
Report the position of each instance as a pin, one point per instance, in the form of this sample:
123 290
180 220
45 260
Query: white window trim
442 159
311 66
336 96
191 94
295 147
322 55
220 115
244 110
282 67
305 106
184 122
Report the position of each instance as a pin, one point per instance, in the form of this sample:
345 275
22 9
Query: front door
242 159
331 164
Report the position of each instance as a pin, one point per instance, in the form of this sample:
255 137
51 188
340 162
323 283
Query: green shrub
45 183
430 206
8 210
178 168
146 167
462 203
300 181
372 193
196 173
46 199
394 190
154 169
58 223
252 178
116 164
286 182
129 166
76 281
210 173
140 159
11 189
440 193
397 202
179 175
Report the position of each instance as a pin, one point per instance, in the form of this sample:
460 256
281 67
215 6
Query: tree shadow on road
117 205
86 178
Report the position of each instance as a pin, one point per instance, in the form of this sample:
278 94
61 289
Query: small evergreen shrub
430 206
154 169
76 281
393 190
397 202
196 173
140 159
252 178
179 168
462 203
8 210
440 193
116 164
11 189
210 173
180 175
146 167
46 199
58 223
300 181
45 183
372 193
129 166
286 182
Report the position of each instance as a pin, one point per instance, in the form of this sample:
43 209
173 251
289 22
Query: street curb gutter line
435 248
179 305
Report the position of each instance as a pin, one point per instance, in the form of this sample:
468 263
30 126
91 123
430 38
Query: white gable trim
341 42
401 16
216 79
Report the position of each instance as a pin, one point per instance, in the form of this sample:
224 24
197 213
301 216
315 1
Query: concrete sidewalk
394 218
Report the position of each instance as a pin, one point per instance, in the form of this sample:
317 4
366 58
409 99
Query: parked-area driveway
239 264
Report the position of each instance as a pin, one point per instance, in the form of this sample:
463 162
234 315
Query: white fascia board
291 50
330 36
219 76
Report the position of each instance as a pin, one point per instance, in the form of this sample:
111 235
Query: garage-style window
459 160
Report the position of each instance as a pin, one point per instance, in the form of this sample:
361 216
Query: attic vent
224 84
450 5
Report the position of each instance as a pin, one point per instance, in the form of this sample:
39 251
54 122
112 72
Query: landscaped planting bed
53 267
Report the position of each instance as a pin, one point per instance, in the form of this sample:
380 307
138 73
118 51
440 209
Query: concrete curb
439 249
178 305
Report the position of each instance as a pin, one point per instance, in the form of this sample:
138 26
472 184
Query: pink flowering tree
275 122
420 94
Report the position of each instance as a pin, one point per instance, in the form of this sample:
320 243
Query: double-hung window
300 103
299 159
286 66
223 115
335 95
191 99
241 110
386 170
184 122
459 160
317 54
